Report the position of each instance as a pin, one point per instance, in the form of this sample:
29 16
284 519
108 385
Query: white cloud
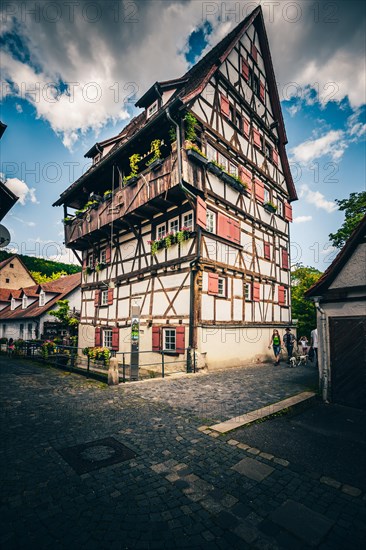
24 222
333 144
21 190
317 199
19 108
303 219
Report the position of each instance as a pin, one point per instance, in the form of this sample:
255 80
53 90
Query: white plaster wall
354 272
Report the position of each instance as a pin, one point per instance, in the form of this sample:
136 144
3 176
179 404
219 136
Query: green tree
41 278
354 208
66 317
302 278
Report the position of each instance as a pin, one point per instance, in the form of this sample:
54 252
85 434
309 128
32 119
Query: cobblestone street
88 466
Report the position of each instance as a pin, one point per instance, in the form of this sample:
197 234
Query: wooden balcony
155 191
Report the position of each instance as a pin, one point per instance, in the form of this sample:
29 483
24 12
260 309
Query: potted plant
107 195
91 205
156 160
194 153
215 168
133 177
270 207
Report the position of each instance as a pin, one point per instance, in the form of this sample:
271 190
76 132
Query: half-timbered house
193 226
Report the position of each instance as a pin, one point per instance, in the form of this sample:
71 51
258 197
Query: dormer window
12 304
97 158
42 298
150 111
24 302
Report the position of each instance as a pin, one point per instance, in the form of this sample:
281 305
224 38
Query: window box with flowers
195 154
68 220
107 195
270 207
215 168
156 162
233 180
134 174
170 239
98 354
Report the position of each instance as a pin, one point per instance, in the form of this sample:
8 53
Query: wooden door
348 360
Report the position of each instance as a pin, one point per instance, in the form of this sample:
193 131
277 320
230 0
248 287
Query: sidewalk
87 466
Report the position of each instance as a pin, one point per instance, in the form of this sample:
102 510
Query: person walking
11 347
303 343
314 344
289 341
275 342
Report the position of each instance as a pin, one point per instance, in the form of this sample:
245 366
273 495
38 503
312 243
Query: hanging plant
172 134
134 166
190 124
155 149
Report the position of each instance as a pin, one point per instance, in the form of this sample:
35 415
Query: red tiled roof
61 287
322 284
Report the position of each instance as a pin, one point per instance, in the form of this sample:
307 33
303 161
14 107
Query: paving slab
253 469
302 522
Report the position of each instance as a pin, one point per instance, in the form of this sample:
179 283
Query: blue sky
42 150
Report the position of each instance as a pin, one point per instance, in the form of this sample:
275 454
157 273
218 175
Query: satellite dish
4 236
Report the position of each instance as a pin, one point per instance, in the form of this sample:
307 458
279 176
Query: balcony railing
125 202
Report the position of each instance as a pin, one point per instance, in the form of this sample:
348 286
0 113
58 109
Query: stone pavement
148 478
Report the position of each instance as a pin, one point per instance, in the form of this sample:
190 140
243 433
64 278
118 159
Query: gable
353 273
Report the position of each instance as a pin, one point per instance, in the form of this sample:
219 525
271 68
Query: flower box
107 197
132 181
270 208
214 169
156 164
195 156
233 182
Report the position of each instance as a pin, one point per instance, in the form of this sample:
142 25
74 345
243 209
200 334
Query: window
161 231
238 121
30 329
107 338
152 109
7 280
280 207
24 302
211 222
248 291
21 331
97 158
211 152
169 339
285 296
104 298
42 298
174 225
103 256
4 329
223 161
254 82
188 220
233 169
12 266
91 260
222 287
267 196
12 304
267 151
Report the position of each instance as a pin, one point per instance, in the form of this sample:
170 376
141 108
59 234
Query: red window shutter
246 128
98 336
275 156
97 298
281 295
261 91
108 255
245 69
180 338
201 213
256 292
110 296
223 226
267 251
257 138
213 283
284 259
235 231
156 332
246 177
254 53
115 338
288 212
259 190
225 106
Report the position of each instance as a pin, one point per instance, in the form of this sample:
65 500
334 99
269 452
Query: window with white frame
267 196
222 287
152 109
285 296
42 298
211 152
233 169
280 207
211 221
161 231
91 260
107 338
174 225
24 302
104 298
223 161
188 220
21 330
248 291
12 304
169 339
103 256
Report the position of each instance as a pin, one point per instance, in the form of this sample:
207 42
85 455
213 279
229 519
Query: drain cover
96 454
